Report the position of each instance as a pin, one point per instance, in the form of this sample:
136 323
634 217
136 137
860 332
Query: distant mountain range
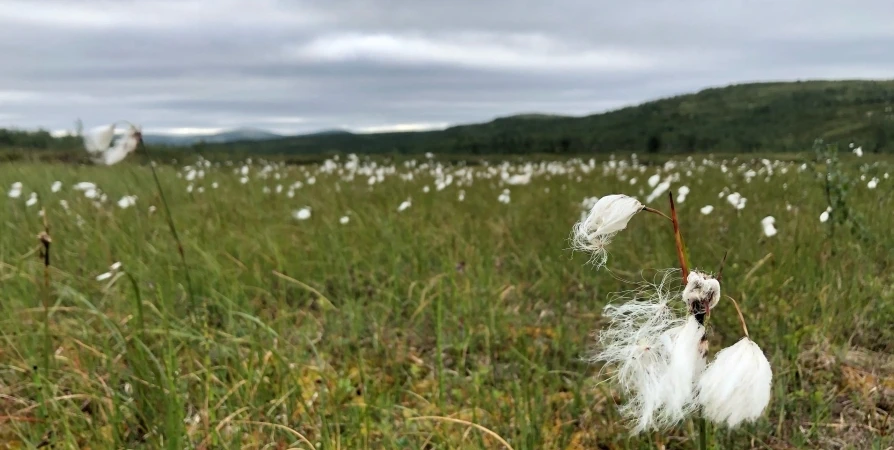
228 136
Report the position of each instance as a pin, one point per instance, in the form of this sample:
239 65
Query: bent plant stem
655 211
741 316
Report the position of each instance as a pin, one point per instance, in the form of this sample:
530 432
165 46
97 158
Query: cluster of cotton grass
655 340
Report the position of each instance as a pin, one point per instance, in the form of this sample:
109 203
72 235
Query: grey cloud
371 63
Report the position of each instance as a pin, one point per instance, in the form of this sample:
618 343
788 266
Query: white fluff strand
736 385
685 365
644 340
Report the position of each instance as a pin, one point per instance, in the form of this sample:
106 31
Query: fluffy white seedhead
768 225
609 215
736 385
702 292
655 356
123 147
98 139
685 365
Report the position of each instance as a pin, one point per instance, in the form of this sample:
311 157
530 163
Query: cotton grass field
416 304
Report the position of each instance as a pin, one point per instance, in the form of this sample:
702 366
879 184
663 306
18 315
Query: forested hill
783 116
740 118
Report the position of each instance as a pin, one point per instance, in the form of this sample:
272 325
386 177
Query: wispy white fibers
646 343
609 215
707 209
769 228
406 204
858 151
736 385
685 365
56 187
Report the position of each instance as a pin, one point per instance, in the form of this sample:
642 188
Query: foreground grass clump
450 324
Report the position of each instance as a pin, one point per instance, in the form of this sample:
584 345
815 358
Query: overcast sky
368 65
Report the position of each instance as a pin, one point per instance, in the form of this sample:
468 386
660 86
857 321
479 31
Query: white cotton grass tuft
682 192
84 186
99 141
706 210
127 201
302 214
113 269
654 354
608 216
685 365
56 187
32 200
736 200
15 191
344 220
736 386
405 205
768 224
702 292
659 191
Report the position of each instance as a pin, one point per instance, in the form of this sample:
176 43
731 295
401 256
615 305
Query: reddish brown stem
679 239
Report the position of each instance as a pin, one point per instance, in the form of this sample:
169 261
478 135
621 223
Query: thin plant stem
45 240
655 211
702 434
439 313
684 269
170 220
139 301
741 317
681 250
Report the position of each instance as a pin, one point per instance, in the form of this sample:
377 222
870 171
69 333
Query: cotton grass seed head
702 292
654 354
768 225
98 139
609 215
735 387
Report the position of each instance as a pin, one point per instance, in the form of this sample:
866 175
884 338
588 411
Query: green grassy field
451 324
